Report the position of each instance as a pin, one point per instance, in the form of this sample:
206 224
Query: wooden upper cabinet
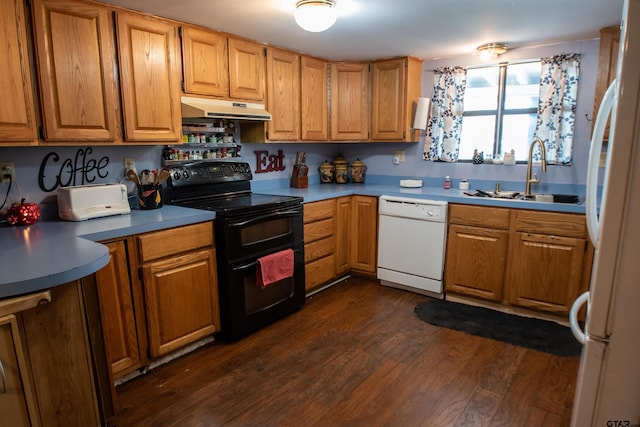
205 62
283 95
17 115
395 88
349 101
607 63
148 50
246 70
313 99
75 51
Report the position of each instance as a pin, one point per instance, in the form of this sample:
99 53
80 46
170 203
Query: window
500 109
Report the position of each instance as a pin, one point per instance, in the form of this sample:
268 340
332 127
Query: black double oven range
248 226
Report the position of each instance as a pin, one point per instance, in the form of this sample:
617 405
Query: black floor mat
536 334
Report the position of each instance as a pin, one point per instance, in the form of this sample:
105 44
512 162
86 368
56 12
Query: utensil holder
298 181
150 196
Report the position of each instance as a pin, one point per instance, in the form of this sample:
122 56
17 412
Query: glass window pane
477 133
523 86
517 133
481 93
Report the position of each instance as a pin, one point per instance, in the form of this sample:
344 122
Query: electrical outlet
129 163
7 168
399 155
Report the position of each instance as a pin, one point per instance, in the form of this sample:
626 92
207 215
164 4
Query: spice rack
204 139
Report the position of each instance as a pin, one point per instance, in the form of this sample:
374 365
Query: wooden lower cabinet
340 237
125 346
180 286
319 243
364 234
475 261
182 300
16 386
532 259
547 257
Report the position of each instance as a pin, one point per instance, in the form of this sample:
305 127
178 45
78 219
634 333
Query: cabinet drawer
318 249
319 210
319 272
481 216
561 224
318 230
163 243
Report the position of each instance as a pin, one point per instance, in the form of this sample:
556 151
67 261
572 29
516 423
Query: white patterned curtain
442 141
557 107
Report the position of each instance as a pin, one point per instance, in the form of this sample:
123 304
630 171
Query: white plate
411 183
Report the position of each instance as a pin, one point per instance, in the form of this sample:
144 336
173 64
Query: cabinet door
117 312
475 261
246 70
349 102
75 53
607 63
283 95
205 62
17 114
13 398
364 233
388 82
182 300
149 78
342 247
544 271
313 96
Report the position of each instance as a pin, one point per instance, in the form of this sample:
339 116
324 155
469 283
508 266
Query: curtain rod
522 61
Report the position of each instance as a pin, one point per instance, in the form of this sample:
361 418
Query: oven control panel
198 173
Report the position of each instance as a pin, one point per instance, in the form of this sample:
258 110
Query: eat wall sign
266 162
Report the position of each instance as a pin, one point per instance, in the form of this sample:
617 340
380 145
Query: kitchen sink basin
536 197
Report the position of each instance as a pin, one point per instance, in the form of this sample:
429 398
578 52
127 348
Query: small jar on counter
358 169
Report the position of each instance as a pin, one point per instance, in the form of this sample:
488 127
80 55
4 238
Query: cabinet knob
3 390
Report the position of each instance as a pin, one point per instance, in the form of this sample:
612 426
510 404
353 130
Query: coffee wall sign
266 162
81 169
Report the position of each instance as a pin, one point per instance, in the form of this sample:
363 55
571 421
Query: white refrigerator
608 387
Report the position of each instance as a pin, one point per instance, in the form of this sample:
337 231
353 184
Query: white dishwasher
411 244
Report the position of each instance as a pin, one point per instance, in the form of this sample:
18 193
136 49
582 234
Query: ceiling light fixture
315 15
492 50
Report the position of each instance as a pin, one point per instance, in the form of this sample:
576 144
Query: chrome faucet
534 180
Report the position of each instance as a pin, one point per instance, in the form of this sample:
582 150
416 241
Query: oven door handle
245 266
263 217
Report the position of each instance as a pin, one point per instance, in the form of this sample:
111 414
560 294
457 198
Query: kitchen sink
536 197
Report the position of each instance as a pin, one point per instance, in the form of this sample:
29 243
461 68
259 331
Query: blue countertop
317 192
53 252
50 253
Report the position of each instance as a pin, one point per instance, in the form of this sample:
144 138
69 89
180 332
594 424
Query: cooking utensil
162 176
133 176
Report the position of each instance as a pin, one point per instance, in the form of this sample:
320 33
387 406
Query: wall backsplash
106 164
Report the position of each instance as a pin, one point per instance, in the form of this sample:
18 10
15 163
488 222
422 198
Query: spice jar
341 170
326 172
358 169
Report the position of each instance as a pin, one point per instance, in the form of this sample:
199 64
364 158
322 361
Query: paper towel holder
422 114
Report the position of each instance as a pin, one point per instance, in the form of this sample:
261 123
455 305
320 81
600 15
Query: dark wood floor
355 355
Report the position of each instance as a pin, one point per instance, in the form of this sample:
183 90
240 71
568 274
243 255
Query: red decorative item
23 213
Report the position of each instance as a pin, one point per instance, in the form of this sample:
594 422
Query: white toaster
78 203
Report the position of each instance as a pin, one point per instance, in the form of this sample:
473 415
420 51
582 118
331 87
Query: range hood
220 109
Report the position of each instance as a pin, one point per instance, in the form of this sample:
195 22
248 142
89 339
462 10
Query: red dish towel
274 267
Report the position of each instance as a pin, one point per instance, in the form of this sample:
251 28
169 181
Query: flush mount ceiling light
492 50
315 15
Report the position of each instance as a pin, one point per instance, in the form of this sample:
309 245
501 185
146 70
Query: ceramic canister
341 170
358 169
326 172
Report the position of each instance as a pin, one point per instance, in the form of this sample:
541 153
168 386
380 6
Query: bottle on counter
447 182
